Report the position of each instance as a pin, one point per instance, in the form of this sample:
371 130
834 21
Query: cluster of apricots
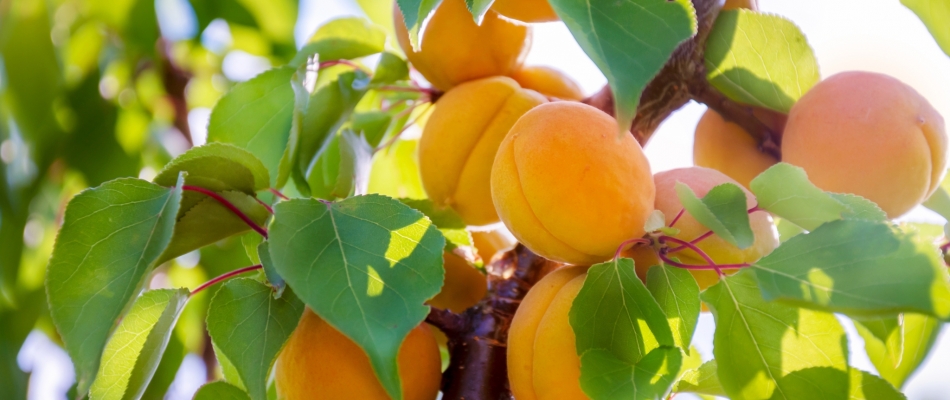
513 144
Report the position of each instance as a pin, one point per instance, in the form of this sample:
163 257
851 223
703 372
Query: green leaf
723 210
939 201
897 345
220 390
391 68
446 219
677 293
343 39
760 59
785 191
218 167
250 327
203 220
478 8
342 168
18 321
395 171
851 266
629 40
166 371
135 349
604 376
372 125
111 237
769 350
365 265
702 380
865 386
256 116
935 14
860 208
270 272
414 13
231 11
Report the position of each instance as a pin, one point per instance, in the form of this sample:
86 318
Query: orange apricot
701 181
568 186
727 148
736 4
526 10
454 49
319 362
459 143
464 285
868 134
549 82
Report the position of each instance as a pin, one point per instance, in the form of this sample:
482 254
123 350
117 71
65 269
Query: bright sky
872 35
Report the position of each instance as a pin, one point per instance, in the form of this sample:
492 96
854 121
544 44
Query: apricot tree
341 258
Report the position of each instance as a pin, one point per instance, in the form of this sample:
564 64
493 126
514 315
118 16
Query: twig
224 277
240 214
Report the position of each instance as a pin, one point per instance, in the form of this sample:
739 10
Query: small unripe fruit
549 82
727 148
868 134
319 362
453 49
569 186
459 143
526 10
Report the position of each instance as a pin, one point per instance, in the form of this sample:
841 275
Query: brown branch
176 80
765 125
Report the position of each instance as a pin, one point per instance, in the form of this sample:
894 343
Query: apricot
453 49
526 10
568 186
736 4
319 362
702 180
464 285
549 82
868 134
542 357
459 143
727 148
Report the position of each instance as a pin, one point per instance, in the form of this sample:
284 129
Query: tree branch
176 80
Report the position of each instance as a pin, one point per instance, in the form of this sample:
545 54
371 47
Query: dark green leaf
344 38
250 327
936 15
342 168
136 347
167 369
414 12
629 40
256 116
760 59
702 380
365 265
677 293
220 390
270 272
217 167
203 220
769 350
851 266
229 10
785 191
722 210
478 8
391 68
605 377
110 239
897 345
372 125
865 386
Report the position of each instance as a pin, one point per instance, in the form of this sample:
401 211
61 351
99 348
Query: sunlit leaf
446 219
629 40
478 8
395 171
135 349
785 191
343 38
860 208
760 59
677 293
250 327
897 345
936 15
365 265
939 201
604 376
414 13
865 386
110 239
220 390
167 369
702 380
722 210
217 167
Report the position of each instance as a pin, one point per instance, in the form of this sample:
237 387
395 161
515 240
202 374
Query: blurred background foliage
93 90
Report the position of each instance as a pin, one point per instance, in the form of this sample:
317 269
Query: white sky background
873 35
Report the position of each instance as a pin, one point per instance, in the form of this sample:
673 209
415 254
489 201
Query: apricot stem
628 242
224 202
225 276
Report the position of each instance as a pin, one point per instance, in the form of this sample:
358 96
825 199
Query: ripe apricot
459 143
526 10
542 357
319 362
702 180
568 186
727 148
549 82
453 49
868 134
736 4
464 285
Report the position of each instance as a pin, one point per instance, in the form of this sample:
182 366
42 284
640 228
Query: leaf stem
327 64
247 220
224 277
278 193
395 137
677 217
629 242
710 233
267 206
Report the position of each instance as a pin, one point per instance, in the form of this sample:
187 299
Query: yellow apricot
549 82
868 134
727 148
464 285
542 357
453 49
319 362
736 4
702 180
568 186
459 143
526 10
